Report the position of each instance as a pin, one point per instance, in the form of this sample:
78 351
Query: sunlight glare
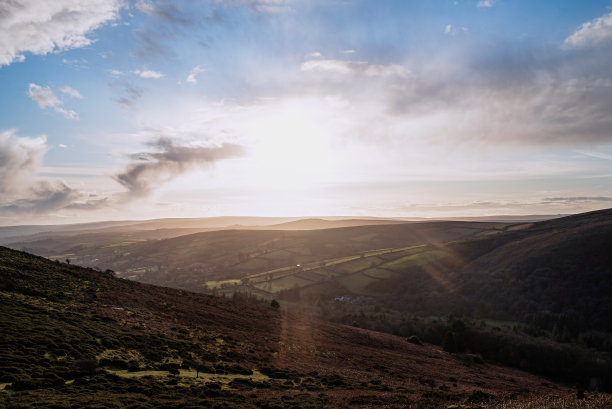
292 150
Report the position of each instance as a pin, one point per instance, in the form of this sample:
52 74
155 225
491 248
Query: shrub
414 340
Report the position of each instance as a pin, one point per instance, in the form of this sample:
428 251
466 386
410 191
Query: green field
353 273
379 273
357 283
358 264
414 260
285 283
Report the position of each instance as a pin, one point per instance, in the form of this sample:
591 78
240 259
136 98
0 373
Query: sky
119 109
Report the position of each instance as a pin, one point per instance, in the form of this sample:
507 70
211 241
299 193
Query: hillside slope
189 261
74 337
555 273
561 266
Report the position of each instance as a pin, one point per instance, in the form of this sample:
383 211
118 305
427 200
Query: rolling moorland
76 337
534 295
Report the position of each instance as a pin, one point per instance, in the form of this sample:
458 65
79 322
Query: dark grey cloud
48 197
129 93
150 169
20 193
169 20
152 43
92 204
42 198
166 11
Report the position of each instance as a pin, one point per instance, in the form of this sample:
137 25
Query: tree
449 344
274 304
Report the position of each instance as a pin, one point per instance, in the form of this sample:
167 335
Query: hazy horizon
145 109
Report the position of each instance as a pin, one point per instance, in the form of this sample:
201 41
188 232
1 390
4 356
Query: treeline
476 341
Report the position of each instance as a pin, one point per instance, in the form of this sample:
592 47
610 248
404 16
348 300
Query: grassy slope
67 332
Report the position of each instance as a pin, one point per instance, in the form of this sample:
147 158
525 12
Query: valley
77 337
295 311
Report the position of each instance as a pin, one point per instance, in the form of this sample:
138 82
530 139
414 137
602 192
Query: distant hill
74 337
134 227
193 260
317 224
10 234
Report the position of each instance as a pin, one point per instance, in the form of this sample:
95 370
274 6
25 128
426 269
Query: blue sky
150 108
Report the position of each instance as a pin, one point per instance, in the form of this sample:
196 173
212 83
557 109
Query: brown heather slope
67 331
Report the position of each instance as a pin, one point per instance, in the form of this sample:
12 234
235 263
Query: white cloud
354 67
78 63
20 157
486 3
149 74
115 73
61 145
68 90
348 52
314 55
145 7
593 33
599 155
191 78
448 29
43 27
270 6
43 96
46 98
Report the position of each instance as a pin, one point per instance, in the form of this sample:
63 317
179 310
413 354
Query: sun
292 149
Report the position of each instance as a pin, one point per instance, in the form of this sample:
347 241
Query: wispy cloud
25 26
599 155
265 6
68 90
46 98
128 92
595 33
116 73
79 63
354 67
579 199
486 3
191 78
149 170
164 10
149 74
